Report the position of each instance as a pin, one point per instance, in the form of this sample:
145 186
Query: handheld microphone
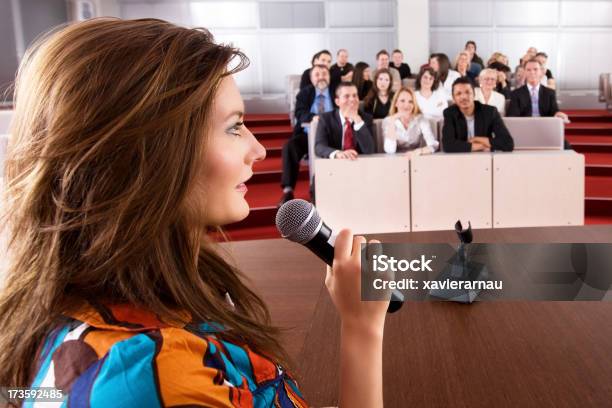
298 221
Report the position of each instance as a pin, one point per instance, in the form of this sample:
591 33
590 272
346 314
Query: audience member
441 64
382 61
503 78
362 79
398 63
530 54
462 65
533 98
547 77
470 126
470 47
406 129
430 96
322 57
476 64
342 70
378 101
486 93
345 132
518 79
311 101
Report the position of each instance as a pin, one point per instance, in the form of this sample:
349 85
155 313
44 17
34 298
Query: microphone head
298 221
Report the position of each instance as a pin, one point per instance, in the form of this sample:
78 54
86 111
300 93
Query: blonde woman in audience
486 93
378 101
441 64
462 66
405 129
430 96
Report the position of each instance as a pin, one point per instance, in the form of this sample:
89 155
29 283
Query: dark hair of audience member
431 72
371 96
462 80
381 52
317 55
344 84
358 79
471 42
398 51
498 66
444 64
541 54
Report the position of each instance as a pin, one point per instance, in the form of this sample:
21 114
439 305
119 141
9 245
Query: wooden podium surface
440 354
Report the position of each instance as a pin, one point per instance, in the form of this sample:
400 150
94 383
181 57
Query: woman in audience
430 96
503 77
462 66
362 79
486 93
518 79
406 129
128 147
322 57
378 101
441 64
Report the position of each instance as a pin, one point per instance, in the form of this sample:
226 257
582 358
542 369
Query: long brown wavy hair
111 120
370 99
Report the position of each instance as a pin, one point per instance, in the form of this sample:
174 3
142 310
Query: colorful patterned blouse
123 357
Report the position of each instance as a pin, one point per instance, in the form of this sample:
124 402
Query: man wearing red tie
344 133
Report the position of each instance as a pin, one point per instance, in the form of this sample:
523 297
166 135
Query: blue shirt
327 102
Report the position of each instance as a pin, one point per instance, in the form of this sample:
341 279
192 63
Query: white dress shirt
356 127
433 106
496 99
448 84
407 138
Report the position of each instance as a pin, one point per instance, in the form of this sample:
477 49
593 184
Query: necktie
320 104
535 107
347 140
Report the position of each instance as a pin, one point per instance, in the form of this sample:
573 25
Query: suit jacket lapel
541 101
479 121
338 134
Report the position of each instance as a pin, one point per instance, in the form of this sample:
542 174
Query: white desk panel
450 187
369 195
537 189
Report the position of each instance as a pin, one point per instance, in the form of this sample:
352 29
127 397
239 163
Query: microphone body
322 244
297 220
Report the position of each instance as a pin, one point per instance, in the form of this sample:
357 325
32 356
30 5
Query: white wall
280 37
413 31
576 34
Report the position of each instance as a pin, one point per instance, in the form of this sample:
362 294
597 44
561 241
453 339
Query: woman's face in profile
218 197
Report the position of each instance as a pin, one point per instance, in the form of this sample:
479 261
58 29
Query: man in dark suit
345 132
533 98
470 126
311 101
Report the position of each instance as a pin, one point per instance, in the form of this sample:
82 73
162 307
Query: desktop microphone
298 221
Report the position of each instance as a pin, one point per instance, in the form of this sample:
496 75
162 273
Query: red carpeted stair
589 133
